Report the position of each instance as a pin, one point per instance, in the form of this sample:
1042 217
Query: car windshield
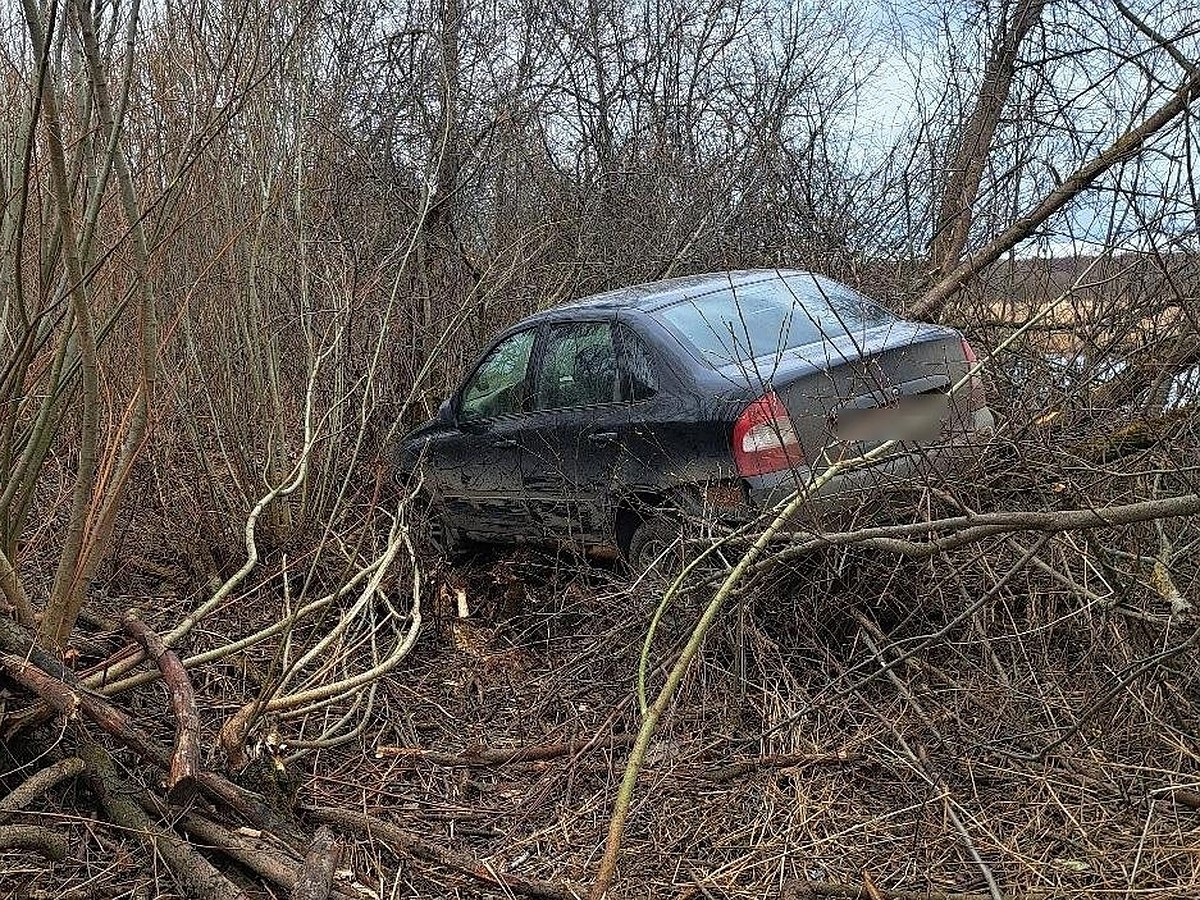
743 323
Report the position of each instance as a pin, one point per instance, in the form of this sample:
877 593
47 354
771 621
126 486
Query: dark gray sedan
599 422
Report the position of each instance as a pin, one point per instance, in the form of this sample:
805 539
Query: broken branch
195 874
36 838
185 758
478 757
316 875
742 767
57 691
410 845
39 783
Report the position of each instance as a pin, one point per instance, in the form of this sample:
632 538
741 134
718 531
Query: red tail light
969 353
764 439
978 391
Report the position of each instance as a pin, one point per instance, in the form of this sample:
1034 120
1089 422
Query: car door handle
504 442
602 437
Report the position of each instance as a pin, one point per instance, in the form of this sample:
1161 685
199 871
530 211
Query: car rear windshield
767 318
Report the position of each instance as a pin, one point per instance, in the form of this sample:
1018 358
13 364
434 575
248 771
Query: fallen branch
267 864
58 693
316 875
961 530
1188 798
195 874
742 767
37 838
480 757
277 866
406 843
185 758
37 784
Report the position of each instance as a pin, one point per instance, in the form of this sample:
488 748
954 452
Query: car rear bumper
905 470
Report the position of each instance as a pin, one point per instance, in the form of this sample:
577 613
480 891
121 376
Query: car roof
657 294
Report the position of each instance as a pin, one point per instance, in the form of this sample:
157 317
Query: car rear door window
638 381
578 367
498 386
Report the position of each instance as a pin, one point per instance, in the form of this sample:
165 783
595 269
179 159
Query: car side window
498 386
579 367
638 381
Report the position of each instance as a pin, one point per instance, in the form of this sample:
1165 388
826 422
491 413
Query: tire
431 534
654 546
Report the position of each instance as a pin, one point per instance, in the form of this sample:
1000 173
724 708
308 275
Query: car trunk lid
849 394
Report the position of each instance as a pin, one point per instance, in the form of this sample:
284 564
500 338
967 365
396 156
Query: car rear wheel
655 546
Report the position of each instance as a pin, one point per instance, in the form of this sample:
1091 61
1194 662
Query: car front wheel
430 532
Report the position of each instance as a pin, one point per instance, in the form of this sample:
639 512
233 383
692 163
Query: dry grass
1051 723
1095 817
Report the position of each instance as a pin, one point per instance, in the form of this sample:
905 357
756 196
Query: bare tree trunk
444 251
965 171
67 595
1125 147
441 261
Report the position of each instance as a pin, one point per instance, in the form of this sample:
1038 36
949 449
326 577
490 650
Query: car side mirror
445 413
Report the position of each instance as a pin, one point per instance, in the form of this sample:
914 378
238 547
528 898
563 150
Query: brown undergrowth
856 725
1015 717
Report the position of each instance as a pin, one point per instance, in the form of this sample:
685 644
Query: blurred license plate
915 418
